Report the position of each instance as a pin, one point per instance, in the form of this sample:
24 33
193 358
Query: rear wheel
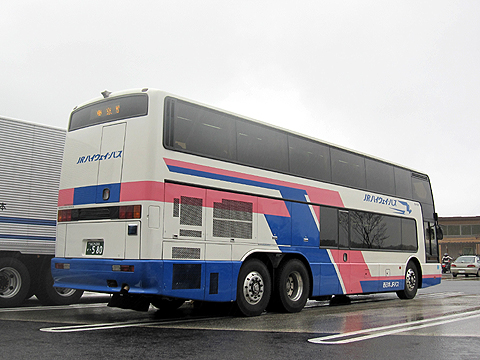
49 295
411 283
292 286
253 288
14 282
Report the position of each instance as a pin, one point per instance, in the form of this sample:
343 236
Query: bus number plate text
94 247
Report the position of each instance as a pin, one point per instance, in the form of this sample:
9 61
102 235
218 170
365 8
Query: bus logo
400 207
100 157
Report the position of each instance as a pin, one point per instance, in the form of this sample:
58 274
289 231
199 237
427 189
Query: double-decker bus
163 199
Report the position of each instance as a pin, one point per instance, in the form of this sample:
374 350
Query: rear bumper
469 271
98 276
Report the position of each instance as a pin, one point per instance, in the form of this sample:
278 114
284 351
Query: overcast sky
397 80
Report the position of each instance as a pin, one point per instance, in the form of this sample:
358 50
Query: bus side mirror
439 232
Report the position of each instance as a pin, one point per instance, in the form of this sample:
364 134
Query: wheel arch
418 265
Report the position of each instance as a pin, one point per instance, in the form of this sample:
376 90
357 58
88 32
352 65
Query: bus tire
411 282
14 282
292 286
49 295
253 288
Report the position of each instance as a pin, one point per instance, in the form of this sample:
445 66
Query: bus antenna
106 93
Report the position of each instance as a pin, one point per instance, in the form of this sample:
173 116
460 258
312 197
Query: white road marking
441 295
56 307
90 327
118 325
366 334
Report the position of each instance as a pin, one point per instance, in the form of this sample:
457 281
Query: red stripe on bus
142 190
65 197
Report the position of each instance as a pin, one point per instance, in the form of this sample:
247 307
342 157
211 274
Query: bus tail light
64 215
124 268
101 213
130 212
62 266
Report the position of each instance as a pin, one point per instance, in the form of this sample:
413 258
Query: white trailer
30 164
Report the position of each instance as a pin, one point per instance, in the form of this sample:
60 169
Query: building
461 235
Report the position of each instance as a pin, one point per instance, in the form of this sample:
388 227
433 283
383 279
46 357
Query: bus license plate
94 247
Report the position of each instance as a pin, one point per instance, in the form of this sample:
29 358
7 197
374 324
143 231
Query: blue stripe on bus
27 221
94 194
85 195
27 237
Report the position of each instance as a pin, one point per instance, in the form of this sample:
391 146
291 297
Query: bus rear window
112 109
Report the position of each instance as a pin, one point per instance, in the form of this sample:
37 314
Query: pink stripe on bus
142 190
272 207
65 197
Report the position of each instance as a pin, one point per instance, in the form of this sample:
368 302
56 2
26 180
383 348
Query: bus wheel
411 283
253 288
14 282
49 295
292 286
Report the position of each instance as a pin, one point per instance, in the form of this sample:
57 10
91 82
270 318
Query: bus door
118 239
110 167
342 257
110 163
351 265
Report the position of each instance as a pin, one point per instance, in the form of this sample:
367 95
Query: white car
466 265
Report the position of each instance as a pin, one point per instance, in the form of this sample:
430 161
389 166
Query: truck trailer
30 164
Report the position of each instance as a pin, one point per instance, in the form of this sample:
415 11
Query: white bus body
164 202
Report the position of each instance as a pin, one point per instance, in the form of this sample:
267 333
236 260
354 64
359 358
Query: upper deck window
203 131
199 130
111 109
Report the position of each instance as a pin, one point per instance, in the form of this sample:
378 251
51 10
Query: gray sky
395 79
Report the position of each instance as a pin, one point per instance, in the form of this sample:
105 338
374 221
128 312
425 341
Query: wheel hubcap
253 288
410 280
10 282
66 292
294 286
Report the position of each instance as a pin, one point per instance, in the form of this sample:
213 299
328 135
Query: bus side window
328 227
431 246
343 229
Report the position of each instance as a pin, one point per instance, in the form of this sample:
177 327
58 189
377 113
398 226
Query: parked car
466 265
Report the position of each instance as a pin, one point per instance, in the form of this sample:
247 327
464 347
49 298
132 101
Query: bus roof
293 132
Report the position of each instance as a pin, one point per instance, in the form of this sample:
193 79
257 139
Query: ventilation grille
190 233
233 210
190 211
213 284
232 219
176 207
186 276
185 253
